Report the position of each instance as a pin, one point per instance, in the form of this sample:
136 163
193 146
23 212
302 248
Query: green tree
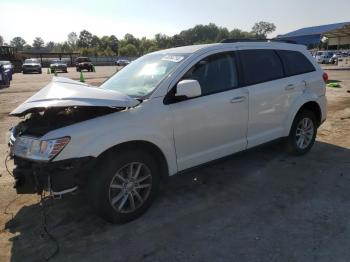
177 40
1 40
130 39
145 46
239 34
72 39
114 44
262 29
162 41
38 43
128 50
18 42
95 41
27 47
50 45
85 38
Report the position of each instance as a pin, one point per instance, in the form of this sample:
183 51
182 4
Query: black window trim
244 84
241 74
284 66
170 96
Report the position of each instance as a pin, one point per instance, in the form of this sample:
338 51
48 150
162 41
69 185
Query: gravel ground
258 205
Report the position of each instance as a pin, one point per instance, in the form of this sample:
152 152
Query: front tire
302 134
124 186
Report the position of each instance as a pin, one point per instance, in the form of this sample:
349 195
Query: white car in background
323 57
166 112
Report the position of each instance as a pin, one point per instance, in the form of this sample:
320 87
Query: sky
53 20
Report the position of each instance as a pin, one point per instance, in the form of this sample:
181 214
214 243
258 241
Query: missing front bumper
56 177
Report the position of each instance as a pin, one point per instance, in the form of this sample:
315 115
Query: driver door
214 124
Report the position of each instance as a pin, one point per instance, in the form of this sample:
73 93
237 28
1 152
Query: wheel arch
314 107
144 146
311 105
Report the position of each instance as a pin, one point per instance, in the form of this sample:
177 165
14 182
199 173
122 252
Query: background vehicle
58 65
323 57
8 66
5 76
31 65
166 112
82 63
334 58
122 62
9 53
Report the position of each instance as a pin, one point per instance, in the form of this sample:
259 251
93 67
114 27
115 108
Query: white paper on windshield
173 58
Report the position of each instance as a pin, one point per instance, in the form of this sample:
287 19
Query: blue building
311 36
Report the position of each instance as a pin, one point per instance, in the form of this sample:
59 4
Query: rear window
260 66
295 63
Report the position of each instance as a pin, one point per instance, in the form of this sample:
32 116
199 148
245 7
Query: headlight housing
36 149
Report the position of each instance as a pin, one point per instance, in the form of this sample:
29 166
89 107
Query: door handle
290 87
238 99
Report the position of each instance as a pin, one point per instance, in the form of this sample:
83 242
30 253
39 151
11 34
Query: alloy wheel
130 187
304 133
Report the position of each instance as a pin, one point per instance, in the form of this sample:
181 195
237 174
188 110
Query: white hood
61 92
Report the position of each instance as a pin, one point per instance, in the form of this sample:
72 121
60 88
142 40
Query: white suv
166 112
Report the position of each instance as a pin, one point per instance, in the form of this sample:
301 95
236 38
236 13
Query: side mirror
188 88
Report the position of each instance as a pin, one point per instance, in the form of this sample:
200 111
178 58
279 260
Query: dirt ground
258 205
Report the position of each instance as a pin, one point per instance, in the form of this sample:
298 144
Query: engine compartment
43 120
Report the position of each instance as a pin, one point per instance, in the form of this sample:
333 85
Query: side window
295 63
260 66
215 73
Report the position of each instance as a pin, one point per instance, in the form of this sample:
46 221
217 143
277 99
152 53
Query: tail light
325 77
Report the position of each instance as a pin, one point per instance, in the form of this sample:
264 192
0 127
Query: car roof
191 49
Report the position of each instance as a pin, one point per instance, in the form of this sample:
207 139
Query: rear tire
119 195
303 133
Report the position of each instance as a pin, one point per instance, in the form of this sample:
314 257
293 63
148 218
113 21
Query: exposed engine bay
41 121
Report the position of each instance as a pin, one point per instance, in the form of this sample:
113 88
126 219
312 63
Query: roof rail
235 40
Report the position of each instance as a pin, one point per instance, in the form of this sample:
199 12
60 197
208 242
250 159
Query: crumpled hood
61 92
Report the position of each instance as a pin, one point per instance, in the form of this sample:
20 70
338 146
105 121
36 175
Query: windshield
5 63
31 61
143 75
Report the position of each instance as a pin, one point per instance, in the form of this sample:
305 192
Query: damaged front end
60 104
35 169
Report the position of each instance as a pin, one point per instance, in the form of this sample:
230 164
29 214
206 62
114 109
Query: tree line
91 45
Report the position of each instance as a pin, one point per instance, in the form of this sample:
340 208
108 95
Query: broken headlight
36 149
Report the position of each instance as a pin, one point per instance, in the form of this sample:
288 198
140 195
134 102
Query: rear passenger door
270 94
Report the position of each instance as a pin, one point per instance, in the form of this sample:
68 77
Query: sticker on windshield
173 58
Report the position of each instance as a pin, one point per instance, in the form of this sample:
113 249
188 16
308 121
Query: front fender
148 122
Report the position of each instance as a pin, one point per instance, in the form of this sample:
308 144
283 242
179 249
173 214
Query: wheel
302 133
8 82
124 186
40 72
